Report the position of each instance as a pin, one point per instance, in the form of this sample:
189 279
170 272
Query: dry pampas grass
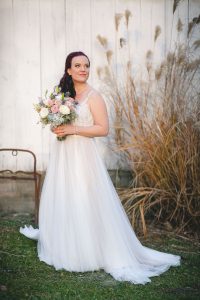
157 129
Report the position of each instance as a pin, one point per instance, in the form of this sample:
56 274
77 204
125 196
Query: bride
82 223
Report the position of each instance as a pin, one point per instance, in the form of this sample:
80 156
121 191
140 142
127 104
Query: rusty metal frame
34 175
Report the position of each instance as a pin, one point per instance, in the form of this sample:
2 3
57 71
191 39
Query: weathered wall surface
36 36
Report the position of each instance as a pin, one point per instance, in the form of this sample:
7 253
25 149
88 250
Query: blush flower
50 102
55 108
71 99
58 102
69 103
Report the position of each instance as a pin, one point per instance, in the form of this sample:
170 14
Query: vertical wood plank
158 19
78 26
52 56
24 66
7 83
146 27
7 123
170 20
102 24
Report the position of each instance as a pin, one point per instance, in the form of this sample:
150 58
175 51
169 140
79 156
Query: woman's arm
100 117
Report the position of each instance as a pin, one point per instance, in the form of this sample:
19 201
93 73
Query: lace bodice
84 117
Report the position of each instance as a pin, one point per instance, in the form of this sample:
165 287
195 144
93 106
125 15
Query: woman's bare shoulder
95 96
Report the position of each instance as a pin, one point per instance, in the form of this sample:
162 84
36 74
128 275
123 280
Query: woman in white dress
82 223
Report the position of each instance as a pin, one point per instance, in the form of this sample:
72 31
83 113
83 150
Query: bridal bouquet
56 109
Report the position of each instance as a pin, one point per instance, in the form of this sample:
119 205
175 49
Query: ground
23 276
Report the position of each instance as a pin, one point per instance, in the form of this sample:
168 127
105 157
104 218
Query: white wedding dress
82 223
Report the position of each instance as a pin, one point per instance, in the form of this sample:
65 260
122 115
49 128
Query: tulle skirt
82 223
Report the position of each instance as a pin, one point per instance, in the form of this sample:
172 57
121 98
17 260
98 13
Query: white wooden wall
36 36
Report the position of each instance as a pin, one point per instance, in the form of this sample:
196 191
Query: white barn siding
36 36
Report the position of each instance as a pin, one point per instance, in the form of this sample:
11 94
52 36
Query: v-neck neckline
85 98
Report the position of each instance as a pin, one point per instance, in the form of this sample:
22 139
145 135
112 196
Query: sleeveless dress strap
87 97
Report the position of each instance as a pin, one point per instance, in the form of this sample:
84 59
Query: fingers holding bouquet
64 130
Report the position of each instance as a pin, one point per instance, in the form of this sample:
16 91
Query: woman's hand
63 130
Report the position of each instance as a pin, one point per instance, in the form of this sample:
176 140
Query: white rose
64 110
46 102
44 112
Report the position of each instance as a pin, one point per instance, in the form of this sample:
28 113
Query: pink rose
68 103
55 108
58 102
69 99
50 102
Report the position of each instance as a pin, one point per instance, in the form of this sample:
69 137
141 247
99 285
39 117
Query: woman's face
80 69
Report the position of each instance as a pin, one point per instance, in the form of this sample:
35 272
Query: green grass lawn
23 276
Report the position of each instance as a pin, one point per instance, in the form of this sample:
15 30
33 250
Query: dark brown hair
66 82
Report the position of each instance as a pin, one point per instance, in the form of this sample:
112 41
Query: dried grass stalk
179 26
118 18
103 41
192 24
109 54
157 131
175 5
128 14
157 32
196 44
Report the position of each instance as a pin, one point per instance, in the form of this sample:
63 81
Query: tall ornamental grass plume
157 129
